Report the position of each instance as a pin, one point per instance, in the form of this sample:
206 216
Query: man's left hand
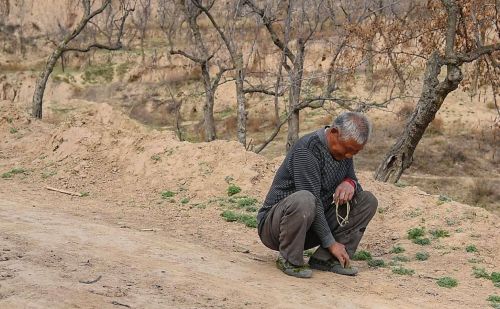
343 193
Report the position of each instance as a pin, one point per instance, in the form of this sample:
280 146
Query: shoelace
343 220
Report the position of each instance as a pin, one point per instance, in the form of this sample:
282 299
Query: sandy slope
49 241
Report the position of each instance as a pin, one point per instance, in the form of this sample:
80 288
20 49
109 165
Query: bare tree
459 48
229 38
200 54
141 21
306 19
63 47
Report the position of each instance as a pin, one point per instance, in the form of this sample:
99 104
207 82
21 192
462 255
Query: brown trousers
287 225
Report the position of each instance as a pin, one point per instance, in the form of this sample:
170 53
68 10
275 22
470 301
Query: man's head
348 135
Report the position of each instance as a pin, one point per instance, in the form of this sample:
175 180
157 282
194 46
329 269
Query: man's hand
344 192
338 251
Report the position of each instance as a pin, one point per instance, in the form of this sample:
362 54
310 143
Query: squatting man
316 200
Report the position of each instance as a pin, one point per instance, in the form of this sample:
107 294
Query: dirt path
51 244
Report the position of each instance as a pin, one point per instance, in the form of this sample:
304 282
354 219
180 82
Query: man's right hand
338 251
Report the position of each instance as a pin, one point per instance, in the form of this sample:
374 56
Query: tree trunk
208 108
241 100
41 83
369 65
294 96
400 156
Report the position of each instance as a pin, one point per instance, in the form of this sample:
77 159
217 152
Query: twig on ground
63 191
91 281
114 302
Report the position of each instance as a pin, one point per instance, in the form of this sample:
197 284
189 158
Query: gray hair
355 126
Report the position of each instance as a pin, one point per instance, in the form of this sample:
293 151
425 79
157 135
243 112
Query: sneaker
333 266
293 270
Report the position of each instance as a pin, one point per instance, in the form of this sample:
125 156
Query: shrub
376 263
416 232
422 256
422 241
447 282
403 271
397 249
233 189
167 194
440 233
362 255
400 258
471 248
480 273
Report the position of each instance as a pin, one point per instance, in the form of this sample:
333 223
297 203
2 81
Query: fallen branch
63 191
114 302
91 281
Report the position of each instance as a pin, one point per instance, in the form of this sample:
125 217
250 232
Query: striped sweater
310 166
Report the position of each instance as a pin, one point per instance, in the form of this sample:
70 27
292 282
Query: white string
344 220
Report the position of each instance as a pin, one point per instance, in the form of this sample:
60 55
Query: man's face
341 149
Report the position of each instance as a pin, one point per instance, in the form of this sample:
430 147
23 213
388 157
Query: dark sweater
310 166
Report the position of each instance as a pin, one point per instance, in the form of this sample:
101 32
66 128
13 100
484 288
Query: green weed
447 282
471 248
233 189
440 233
422 256
403 271
416 232
13 130
400 258
13 172
422 241
84 194
231 216
362 255
246 202
480 273
184 200
309 252
494 301
495 277
376 263
397 249
156 157
167 194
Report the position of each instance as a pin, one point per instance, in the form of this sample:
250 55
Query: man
300 211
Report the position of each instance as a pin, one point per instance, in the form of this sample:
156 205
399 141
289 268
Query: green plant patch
471 248
494 301
495 277
13 130
400 258
447 282
397 249
440 233
402 271
422 241
233 189
362 255
95 74
422 256
84 194
167 194
13 172
184 200
416 232
376 263
443 199
231 216
246 202
308 252
480 273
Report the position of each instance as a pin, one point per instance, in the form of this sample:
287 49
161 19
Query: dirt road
62 252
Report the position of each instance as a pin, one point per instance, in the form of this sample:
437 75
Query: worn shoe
293 270
333 266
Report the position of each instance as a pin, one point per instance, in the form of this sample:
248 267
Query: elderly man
315 200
